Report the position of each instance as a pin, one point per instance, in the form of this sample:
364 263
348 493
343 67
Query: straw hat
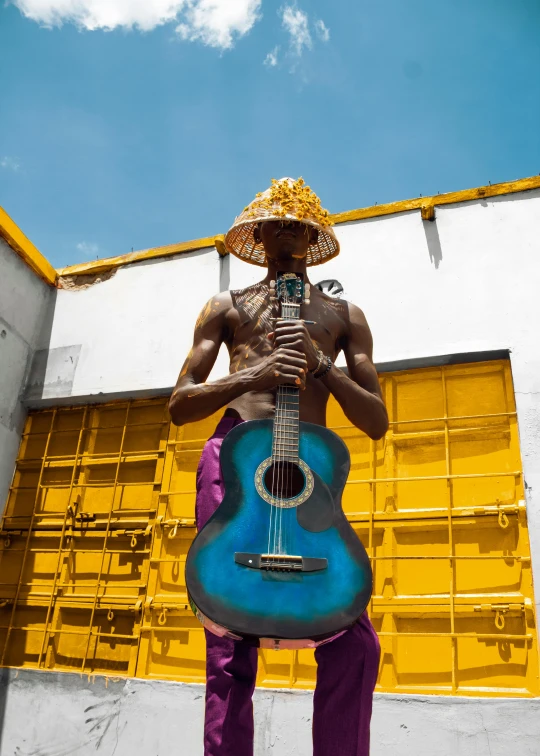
286 199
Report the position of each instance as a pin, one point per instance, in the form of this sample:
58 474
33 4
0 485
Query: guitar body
330 581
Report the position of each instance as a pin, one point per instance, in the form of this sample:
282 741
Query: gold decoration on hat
286 199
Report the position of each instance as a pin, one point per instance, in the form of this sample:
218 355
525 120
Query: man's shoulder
223 300
342 307
254 295
259 286
215 310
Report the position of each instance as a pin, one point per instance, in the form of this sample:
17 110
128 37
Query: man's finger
290 341
290 325
298 362
289 352
292 322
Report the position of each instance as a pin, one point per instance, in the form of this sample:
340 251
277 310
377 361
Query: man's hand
293 334
284 365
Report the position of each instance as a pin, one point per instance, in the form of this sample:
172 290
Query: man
283 229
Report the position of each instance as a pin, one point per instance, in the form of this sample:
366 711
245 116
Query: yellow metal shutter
101 515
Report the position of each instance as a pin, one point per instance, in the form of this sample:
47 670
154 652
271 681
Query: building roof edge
21 245
41 266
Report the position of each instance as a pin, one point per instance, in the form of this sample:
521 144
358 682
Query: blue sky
131 123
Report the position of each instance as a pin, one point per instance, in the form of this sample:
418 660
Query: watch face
330 287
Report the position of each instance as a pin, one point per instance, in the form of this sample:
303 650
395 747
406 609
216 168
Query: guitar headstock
290 289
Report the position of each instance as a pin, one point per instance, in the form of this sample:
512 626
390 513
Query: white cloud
88 249
10 163
295 23
322 30
213 22
217 22
271 59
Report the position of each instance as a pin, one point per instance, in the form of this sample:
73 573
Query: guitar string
283 434
291 393
281 468
292 397
273 515
272 462
286 463
287 467
276 489
282 455
275 473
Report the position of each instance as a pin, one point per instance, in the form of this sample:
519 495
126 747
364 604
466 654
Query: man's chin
285 255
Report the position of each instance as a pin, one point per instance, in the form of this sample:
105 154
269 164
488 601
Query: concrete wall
25 304
55 714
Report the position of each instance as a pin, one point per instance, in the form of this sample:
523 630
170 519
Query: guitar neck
287 418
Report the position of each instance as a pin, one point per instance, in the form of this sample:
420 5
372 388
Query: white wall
127 334
72 715
24 302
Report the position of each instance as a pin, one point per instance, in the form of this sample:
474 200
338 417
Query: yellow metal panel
101 516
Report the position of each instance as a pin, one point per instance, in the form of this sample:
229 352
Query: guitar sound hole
284 480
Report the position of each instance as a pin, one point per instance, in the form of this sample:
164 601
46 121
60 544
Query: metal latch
500 610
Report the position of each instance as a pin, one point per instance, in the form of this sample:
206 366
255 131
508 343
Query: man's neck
289 266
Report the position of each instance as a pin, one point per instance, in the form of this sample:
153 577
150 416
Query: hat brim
240 241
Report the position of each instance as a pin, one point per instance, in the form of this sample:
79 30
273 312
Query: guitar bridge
280 562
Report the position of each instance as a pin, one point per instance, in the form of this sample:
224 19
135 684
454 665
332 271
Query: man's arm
359 393
194 399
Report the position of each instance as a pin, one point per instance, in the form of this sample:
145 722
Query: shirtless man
264 353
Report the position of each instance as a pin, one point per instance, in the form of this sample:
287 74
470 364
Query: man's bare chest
253 318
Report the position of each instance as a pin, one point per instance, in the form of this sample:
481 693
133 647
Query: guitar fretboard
287 417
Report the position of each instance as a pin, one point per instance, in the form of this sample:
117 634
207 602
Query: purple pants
346 673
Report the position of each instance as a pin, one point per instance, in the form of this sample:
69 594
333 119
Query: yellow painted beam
20 244
425 203
109 263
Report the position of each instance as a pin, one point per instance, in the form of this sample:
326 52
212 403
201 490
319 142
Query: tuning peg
307 301
273 285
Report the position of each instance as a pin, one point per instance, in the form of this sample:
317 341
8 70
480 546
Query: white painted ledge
54 713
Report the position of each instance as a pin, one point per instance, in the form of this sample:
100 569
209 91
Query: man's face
284 239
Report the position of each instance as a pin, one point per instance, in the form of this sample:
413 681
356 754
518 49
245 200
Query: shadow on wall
433 241
53 370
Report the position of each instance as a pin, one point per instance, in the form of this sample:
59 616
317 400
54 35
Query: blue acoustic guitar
278 563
